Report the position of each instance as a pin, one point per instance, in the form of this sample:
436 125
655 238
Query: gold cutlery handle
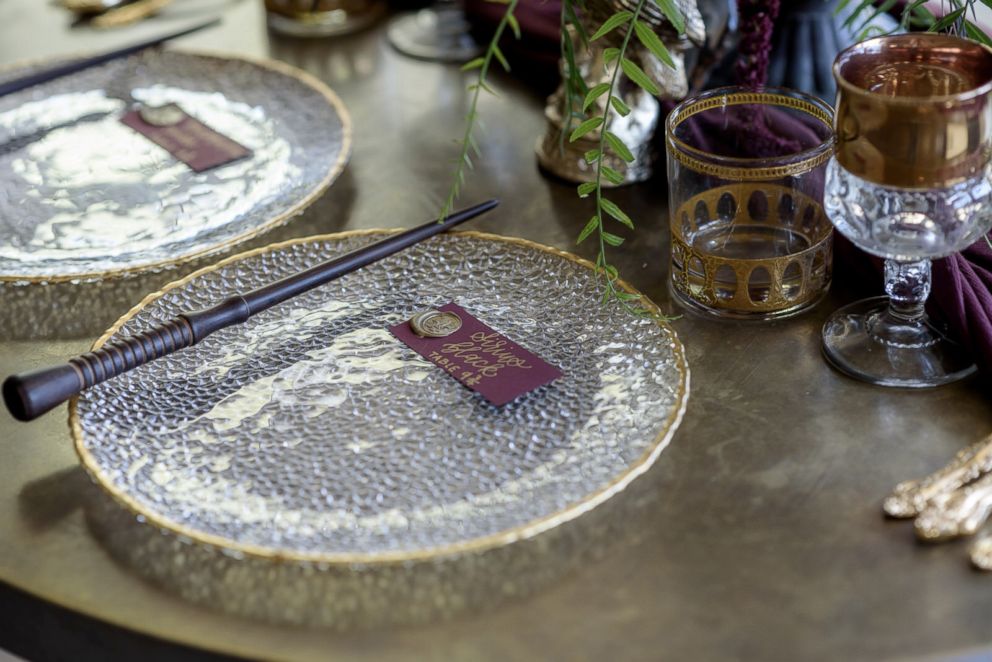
910 498
960 512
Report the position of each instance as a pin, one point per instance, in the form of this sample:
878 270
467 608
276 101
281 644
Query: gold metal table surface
764 537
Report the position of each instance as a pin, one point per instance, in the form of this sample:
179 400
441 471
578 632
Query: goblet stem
900 323
908 286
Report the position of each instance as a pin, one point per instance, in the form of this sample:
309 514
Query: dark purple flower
757 22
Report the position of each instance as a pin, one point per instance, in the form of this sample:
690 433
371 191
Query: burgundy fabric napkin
750 131
962 296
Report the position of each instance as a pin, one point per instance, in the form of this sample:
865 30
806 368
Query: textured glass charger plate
84 197
308 467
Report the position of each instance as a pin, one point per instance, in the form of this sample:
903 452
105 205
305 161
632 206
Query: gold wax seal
165 115
435 323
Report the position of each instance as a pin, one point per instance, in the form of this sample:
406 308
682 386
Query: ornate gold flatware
952 502
911 498
90 6
960 512
129 13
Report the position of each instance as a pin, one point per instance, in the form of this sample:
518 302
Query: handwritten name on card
481 359
190 141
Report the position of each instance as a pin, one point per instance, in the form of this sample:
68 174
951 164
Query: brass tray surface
760 540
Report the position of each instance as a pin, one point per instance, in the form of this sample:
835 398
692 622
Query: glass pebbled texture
908 224
310 431
83 194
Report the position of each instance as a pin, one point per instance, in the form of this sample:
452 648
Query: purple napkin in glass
750 131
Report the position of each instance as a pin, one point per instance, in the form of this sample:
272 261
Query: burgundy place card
189 140
482 359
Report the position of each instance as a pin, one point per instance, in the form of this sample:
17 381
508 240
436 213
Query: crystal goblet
911 181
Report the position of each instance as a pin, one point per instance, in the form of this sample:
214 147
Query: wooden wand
59 70
31 394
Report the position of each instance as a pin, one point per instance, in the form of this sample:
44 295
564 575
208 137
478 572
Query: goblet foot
866 341
439 33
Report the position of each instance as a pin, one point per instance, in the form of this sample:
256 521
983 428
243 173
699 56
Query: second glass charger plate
84 197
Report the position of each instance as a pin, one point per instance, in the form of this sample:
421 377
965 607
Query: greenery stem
610 290
467 140
567 82
573 85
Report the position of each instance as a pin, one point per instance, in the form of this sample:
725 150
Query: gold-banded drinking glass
746 167
911 182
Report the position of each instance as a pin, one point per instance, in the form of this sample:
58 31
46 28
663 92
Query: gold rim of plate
475 545
333 172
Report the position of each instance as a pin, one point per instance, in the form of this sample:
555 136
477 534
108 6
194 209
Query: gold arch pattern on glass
694 272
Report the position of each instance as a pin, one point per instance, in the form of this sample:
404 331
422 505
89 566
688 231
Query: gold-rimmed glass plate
84 197
311 433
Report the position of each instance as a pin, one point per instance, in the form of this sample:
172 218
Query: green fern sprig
574 86
609 141
482 64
